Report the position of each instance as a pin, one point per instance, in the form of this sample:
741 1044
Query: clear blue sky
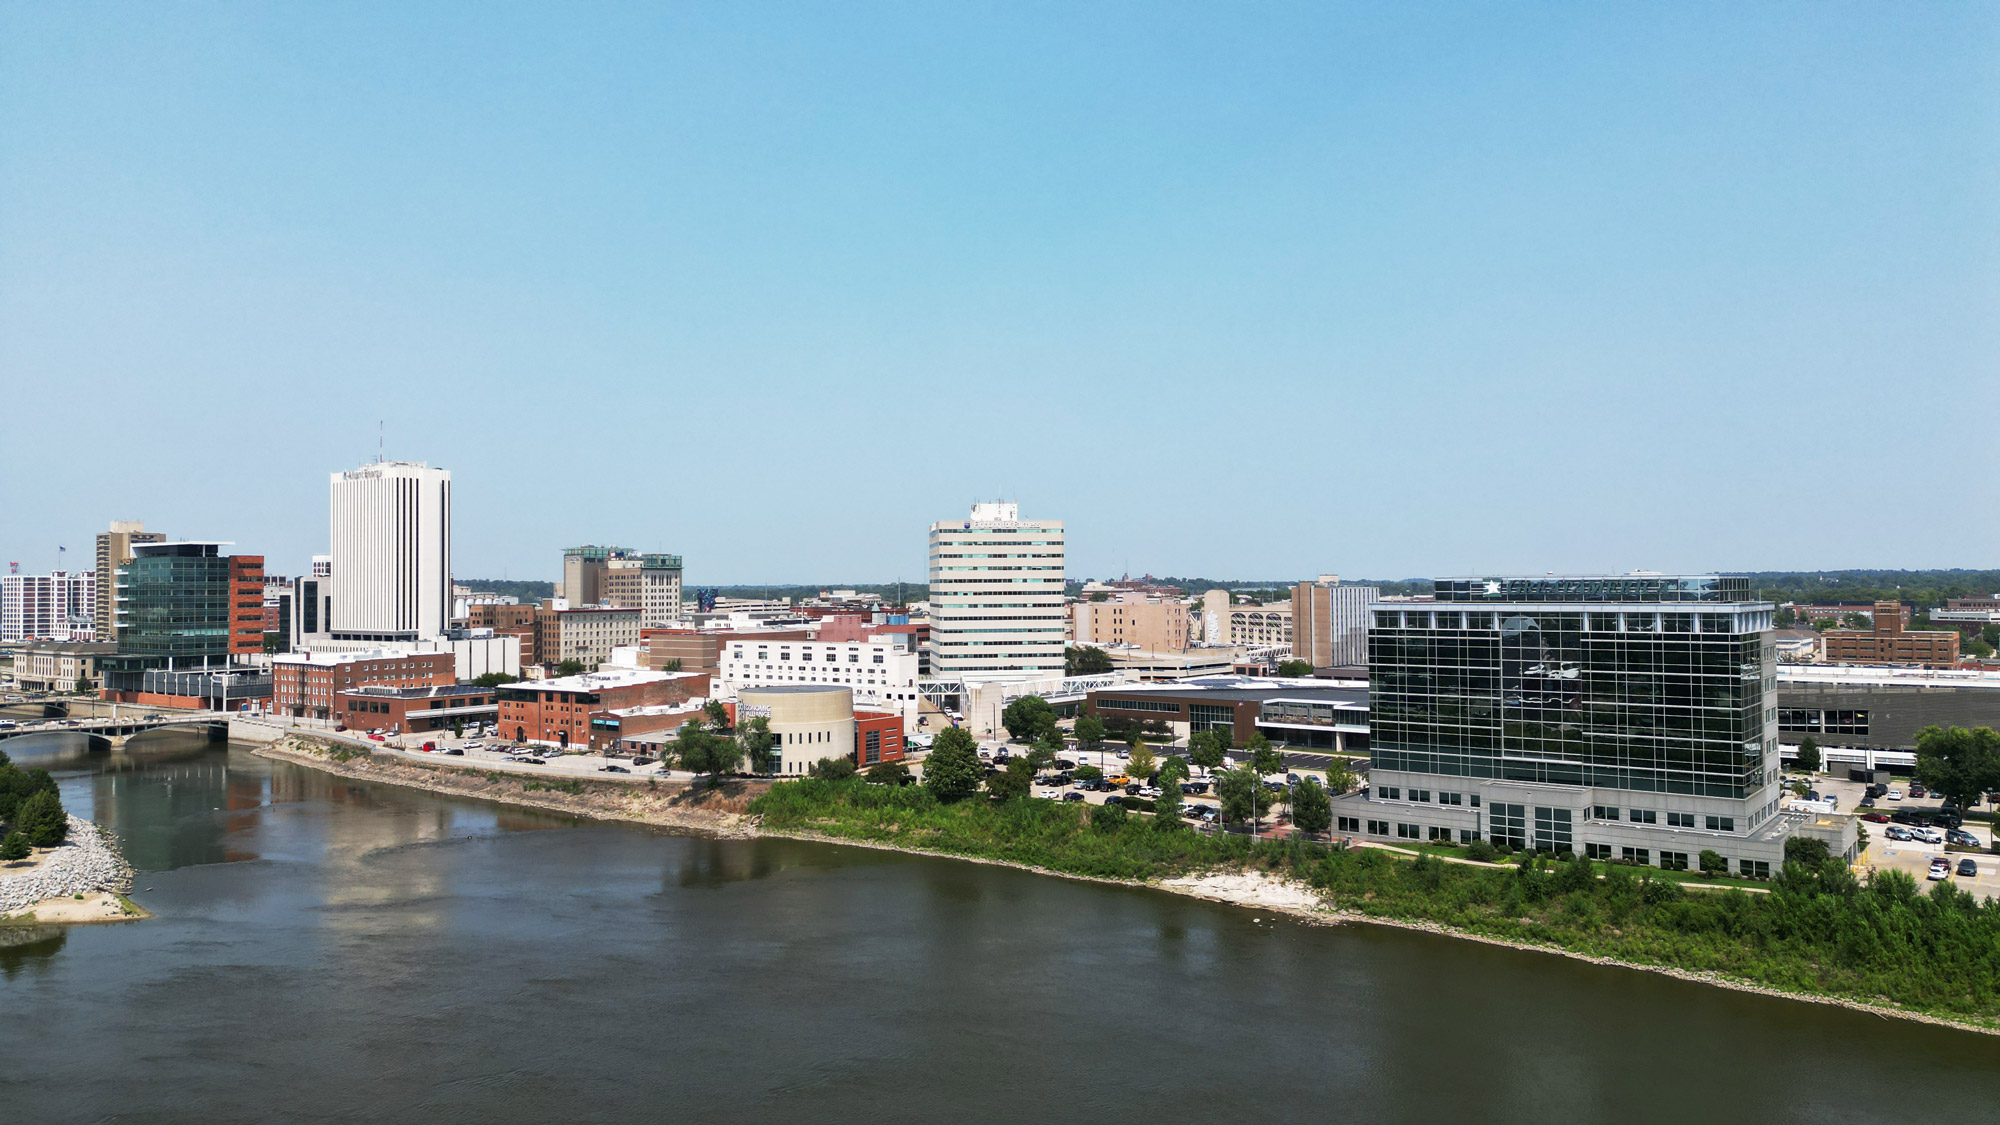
1236 290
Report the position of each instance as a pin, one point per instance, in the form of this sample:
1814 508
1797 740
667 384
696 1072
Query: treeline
31 811
1818 930
1924 589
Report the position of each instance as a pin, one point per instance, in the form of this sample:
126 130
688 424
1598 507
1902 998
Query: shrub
1482 851
13 847
1107 818
889 773
834 769
1713 863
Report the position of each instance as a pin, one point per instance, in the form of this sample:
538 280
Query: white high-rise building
391 572
48 607
996 595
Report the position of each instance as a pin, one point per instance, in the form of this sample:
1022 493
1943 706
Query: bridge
113 731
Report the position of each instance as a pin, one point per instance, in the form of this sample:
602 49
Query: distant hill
528 591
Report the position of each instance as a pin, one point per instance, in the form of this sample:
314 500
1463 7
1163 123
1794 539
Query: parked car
613 769
1194 786
374 737
454 751
1967 867
1114 799
1928 835
1150 791
428 747
985 753
1072 796
1918 791
1940 869
533 761
1875 817
1895 793
1896 832
1867 803
1064 764
1962 838
475 744
644 760
1209 813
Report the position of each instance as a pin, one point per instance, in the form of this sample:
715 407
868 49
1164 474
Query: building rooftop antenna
379 458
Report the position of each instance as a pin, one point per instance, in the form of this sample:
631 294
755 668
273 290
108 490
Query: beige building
114 549
1330 622
626 579
1156 626
1259 624
57 666
587 635
813 722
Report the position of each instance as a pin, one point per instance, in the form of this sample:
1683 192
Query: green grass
1817 932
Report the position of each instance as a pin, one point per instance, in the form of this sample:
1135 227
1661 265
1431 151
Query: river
328 950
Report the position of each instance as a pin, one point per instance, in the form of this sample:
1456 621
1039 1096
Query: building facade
1155 626
586 635
60 606
187 608
1887 642
649 582
58 665
391 562
561 710
309 685
1628 718
114 549
815 722
1260 625
1330 622
881 674
996 596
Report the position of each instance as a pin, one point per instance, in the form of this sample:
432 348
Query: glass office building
1629 717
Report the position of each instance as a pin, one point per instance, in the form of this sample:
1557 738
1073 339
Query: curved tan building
813 722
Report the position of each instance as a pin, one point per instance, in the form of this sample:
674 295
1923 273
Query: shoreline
81 880
1255 891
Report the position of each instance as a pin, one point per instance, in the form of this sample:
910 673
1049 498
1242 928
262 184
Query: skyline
1372 291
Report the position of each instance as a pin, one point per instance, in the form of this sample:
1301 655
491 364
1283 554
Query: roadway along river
331 951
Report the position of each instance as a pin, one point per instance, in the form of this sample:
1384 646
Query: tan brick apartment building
1888 643
1153 626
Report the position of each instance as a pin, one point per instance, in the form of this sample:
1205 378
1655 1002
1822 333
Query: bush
834 769
13 847
889 773
1713 863
1107 818
1482 851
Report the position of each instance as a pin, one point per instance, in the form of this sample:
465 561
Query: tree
952 771
493 679
1806 851
1088 660
1167 806
1107 818
1312 808
1808 759
1339 779
570 668
1043 753
1088 772
1090 731
834 769
889 773
14 846
1208 749
1295 668
1974 647
42 820
1173 769
1028 718
673 665
703 751
1141 763
83 685
1012 782
1962 764
759 744
716 714
1264 758
1243 794
1713 863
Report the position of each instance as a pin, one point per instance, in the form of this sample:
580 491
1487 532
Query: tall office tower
627 579
1330 622
1630 717
114 549
48 607
996 594
391 530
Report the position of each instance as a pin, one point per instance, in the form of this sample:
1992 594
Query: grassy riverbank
1817 933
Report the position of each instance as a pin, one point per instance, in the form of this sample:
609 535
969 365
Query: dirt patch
712 810
103 906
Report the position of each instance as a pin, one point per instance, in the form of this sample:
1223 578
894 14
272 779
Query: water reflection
29 947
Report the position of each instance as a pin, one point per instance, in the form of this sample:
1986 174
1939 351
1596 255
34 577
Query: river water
325 950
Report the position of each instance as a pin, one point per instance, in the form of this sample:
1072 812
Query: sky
1253 291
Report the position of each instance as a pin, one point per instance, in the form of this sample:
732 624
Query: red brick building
414 709
560 710
1888 643
310 685
878 737
246 605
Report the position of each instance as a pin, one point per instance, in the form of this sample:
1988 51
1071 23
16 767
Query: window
1673 861
1597 851
1467 835
1475 800
1350 824
1682 820
1645 816
1423 795
1391 793
1552 829
1408 831
1636 855
1378 828
1210 716
1509 825
1448 798
1440 835
1754 868
1722 824
1605 812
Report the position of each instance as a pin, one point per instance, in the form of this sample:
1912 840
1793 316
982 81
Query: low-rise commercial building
58 665
311 684
880 673
815 722
407 710
560 710
1305 714
1888 642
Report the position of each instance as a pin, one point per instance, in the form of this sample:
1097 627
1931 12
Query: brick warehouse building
310 685
560 710
1886 642
414 709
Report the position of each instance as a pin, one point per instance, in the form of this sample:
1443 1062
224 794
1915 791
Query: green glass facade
173 601
1580 688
